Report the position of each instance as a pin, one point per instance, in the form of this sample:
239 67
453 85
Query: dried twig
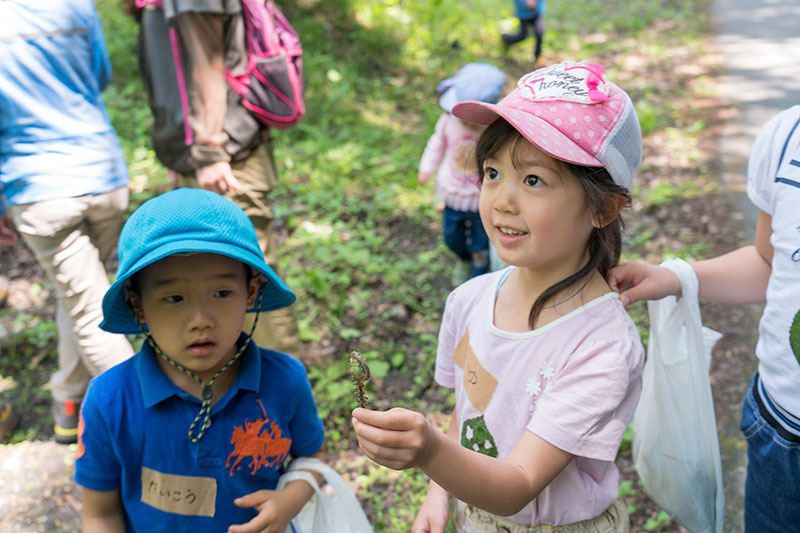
359 372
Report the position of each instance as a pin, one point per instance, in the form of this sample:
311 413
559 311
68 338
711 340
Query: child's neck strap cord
201 422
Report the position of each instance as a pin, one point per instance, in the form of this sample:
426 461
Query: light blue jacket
522 11
56 139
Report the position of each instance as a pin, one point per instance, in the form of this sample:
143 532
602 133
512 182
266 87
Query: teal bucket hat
186 221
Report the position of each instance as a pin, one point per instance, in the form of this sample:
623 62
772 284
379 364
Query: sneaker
65 418
9 416
539 62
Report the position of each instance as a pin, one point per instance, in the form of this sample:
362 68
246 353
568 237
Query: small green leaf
379 369
397 359
349 333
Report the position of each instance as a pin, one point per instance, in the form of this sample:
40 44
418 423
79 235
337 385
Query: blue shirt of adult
56 139
523 12
134 417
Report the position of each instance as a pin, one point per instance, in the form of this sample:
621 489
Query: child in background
545 362
192 432
451 149
768 271
530 13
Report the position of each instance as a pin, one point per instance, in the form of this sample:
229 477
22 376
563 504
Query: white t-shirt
574 382
773 185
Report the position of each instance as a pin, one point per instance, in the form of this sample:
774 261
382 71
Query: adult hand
7 234
640 281
217 177
423 177
435 511
398 438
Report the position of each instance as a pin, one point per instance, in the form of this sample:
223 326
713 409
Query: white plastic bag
675 445
333 509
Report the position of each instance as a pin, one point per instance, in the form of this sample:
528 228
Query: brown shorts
612 520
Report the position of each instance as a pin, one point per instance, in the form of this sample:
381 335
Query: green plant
661 520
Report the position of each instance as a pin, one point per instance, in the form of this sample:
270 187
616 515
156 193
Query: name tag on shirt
184 495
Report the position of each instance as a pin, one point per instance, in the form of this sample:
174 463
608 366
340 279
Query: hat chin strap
202 421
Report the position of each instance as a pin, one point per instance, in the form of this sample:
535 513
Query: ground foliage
360 238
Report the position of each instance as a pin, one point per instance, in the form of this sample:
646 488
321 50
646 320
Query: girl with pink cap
545 362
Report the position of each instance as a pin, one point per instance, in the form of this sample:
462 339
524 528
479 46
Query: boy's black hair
605 242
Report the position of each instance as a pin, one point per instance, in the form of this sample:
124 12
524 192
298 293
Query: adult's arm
203 38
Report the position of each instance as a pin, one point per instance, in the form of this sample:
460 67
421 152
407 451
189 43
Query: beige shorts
474 520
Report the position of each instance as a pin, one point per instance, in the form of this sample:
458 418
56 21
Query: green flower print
475 436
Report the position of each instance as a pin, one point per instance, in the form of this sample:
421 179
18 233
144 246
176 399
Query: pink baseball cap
573 113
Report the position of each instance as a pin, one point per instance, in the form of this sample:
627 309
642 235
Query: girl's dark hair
605 243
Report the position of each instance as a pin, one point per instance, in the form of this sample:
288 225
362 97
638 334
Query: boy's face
194 306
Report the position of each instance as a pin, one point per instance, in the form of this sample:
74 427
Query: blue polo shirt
133 437
56 139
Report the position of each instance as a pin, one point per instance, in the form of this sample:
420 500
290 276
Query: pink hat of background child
573 113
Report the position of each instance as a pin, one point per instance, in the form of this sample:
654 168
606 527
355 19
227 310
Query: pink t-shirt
574 382
451 150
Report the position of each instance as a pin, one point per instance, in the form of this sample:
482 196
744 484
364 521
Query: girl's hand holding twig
398 438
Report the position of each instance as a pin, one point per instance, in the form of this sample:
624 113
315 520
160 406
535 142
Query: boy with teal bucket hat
193 431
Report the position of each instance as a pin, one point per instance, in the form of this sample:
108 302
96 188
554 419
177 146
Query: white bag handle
298 474
334 511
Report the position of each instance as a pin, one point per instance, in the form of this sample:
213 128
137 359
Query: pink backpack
272 86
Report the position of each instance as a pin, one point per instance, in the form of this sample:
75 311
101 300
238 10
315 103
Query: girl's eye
173 299
222 293
492 174
533 181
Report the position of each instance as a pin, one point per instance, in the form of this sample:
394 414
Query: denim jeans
772 489
465 236
537 25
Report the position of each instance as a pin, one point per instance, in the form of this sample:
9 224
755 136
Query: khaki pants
613 520
257 177
72 238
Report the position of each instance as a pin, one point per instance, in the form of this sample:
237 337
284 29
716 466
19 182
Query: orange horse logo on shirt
264 448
